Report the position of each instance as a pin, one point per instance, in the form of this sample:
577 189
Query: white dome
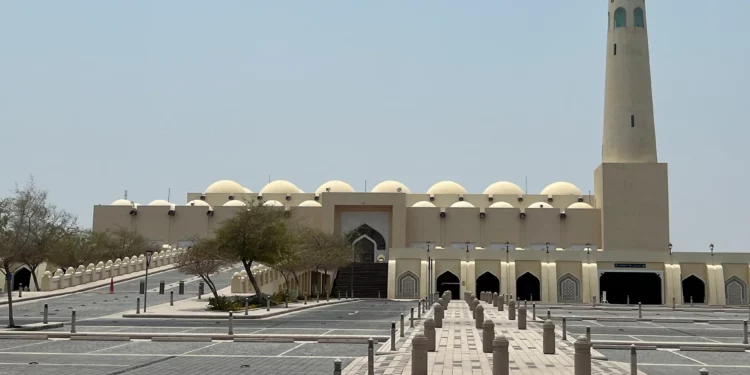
540 205
561 188
122 202
197 202
390 187
503 188
226 187
501 205
280 187
159 202
309 203
462 204
248 191
235 203
582 205
335 186
446 187
273 203
423 204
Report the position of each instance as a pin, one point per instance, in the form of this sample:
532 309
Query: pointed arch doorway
487 282
693 290
448 281
528 288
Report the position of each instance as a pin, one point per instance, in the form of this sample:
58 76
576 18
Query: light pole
670 248
712 249
547 244
429 274
145 287
507 266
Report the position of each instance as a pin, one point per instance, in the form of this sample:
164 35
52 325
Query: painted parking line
24 345
111 347
674 351
62 364
195 350
287 351
174 355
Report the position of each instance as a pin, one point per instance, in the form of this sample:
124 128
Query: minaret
631 186
628 105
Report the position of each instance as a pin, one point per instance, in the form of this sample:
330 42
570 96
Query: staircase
366 279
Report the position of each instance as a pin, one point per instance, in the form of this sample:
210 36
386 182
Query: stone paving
459 349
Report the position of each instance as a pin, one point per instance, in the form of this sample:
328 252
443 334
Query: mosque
558 245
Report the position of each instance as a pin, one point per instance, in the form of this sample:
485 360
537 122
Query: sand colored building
556 245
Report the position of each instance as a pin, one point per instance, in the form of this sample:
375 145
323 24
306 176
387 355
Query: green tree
51 229
295 258
80 248
202 260
124 242
328 251
258 234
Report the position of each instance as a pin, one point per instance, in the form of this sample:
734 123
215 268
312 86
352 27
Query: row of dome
312 203
442 187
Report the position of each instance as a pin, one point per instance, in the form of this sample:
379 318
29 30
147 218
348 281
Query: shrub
235 303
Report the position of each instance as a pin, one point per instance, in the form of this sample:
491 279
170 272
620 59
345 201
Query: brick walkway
459 349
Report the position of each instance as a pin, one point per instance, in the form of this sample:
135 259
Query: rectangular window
615 49
632 121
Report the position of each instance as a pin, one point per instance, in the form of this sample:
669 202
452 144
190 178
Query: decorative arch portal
487 282
528 286
22 277
449 281
408 286
363 249
693 288
366 251
568 288
736 291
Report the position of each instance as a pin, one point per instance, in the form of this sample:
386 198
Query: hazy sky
97 97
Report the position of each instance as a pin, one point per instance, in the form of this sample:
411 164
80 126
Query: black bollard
161 287
181 289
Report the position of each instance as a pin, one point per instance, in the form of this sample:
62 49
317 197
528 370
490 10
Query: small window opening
632 121
615 49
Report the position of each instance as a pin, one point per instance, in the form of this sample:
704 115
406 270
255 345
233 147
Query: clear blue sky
101 96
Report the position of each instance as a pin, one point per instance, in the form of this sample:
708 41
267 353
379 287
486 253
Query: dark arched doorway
487 282
21 277
448 281
693 287
643 287
366 240
528 288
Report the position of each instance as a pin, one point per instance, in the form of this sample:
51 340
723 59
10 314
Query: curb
665 345
710 349
104 336
37 327
644 320
99 338
280 340
86 289
225 315
25 337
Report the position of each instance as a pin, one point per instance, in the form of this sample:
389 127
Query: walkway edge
237 315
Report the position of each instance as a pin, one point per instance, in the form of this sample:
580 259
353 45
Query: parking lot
363 318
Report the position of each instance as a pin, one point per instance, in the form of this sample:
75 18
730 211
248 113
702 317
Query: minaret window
638 17
620 18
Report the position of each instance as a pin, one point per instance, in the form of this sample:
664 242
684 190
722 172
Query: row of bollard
162 287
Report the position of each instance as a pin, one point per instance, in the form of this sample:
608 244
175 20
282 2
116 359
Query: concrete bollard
522 317
337 367
703 371
633 360
346 294
137 305
429 332
339 295
744 332
305 297
593 301
548 338
73 322
268 304
640 311
393 333
472 304
450 295
247 305
141 287
495 297
401 331
370 356
533 311
673 306
582 356
161 287
419 309
549 315
171 298
691 301
411 318
511 310
46 315
501 302
500 356
230 324
438 315
627 299
488 334
525 304
200 290
588 333
479 319
476 304
181 288
564 329
419 355
20 291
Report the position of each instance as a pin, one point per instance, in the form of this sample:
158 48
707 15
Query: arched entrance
487 282
693 287
528 288
643 287
568 289
366 241
448 281
21 277
408 286
736 291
